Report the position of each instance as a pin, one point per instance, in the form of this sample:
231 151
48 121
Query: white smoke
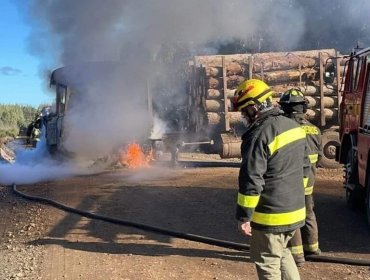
35 165
159 128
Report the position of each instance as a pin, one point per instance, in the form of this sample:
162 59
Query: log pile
281 70
313 115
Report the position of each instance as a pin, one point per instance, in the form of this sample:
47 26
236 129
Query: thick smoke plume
153 40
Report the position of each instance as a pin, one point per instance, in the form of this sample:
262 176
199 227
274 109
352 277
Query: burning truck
209 123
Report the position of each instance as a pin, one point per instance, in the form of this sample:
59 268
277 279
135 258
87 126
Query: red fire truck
354 129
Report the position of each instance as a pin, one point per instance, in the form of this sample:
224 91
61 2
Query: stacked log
215 105
329 101
217 118
281 70
218 94
313 115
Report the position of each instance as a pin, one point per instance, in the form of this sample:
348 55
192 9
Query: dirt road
41 242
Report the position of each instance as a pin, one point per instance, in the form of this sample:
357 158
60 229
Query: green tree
15 118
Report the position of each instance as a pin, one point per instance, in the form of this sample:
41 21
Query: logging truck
354 148
210 125
213 80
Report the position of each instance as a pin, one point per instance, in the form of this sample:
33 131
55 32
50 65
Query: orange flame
134 157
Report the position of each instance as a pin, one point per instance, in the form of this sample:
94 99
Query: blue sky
20 82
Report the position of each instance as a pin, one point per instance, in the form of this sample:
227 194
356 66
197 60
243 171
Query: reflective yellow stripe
296 250
313 158
311 247
305 182
286 138
249 201
279 219
308 190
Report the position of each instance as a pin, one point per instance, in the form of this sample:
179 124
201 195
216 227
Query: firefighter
34 130
270 201
38 121
305 241
29 132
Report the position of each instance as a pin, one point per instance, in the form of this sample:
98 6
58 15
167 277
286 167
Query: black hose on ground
187 236
181 235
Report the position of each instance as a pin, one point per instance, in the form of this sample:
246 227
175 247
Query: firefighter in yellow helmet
305 241
270 201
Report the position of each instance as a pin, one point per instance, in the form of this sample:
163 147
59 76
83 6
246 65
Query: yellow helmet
251 92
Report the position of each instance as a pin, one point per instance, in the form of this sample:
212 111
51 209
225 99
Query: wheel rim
329 149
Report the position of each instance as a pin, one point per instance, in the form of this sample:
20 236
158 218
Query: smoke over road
154 40
36 165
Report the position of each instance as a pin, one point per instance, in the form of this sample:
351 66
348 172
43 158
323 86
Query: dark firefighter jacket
271 177
313 137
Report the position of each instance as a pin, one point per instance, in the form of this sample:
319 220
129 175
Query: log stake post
322 106
262 66
250 64
226 109
339 82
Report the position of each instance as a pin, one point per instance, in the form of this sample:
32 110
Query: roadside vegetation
14 119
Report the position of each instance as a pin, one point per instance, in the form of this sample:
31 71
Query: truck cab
354 130
95 102
54 121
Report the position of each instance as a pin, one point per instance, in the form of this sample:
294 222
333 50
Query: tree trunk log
287 76
329 102
216 60
218 118
313 115
234 69
216 105
213 71
305 58
214 83
218 94
279 89
215 118
232 82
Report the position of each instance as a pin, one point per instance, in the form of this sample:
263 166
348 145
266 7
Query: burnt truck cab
54 121
354 149
86 91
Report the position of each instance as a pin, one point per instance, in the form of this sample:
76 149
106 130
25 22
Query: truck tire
354 193
330 140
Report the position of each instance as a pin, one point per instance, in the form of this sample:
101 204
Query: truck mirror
329 73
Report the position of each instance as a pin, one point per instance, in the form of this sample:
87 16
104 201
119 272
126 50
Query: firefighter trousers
271 256
306 240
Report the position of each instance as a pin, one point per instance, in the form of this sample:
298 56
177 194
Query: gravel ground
41 242
21 222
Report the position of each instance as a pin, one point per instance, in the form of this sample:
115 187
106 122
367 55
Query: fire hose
181 235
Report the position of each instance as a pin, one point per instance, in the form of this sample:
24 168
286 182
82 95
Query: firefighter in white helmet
304 241
270 202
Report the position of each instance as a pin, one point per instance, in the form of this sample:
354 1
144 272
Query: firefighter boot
299 259
316 253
